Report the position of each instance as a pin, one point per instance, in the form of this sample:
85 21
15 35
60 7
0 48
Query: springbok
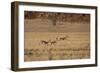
45 42
63 38
53 42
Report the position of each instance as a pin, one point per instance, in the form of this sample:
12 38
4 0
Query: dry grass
75 46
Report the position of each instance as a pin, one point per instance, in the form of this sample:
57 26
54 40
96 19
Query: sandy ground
65 40
46 25
75 46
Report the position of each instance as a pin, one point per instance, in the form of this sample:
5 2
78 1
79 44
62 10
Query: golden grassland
75 46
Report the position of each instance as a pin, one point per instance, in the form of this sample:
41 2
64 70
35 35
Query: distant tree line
71 17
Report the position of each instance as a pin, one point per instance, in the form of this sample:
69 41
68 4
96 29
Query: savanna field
75 46
56 36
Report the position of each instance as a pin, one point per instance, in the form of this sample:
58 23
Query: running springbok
45 42
63 38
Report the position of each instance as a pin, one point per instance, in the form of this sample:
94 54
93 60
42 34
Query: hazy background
56 22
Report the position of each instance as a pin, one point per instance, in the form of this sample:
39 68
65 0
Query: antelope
53 42
63 38
44 42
